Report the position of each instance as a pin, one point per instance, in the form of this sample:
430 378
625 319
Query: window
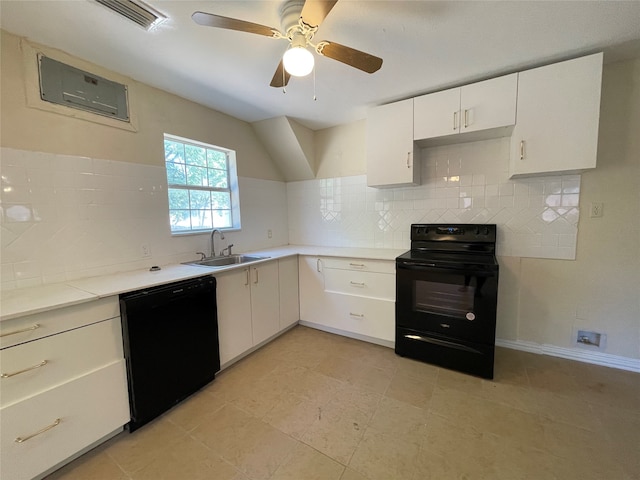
203 186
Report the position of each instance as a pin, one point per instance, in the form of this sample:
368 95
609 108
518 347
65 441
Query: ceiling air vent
137 12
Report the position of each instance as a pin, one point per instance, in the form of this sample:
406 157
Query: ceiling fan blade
278 79
350 56
211 20
315 11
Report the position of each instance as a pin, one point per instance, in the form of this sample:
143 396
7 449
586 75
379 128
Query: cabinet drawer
374 318
359 264
67 355
359 283
89 408
32 327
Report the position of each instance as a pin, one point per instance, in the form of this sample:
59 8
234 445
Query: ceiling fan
300 20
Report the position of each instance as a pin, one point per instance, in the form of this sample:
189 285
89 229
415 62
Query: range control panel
440 232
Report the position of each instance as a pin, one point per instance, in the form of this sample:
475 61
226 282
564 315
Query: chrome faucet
213 232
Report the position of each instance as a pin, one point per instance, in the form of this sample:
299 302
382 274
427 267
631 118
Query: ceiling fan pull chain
314 85
284 83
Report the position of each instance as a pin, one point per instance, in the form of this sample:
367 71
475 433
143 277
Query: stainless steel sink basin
226 261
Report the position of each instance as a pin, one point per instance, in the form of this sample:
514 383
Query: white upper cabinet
487 107
558 116
391 155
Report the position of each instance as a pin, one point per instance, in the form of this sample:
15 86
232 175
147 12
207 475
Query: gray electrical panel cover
67 85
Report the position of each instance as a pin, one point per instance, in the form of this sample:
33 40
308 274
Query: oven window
443 298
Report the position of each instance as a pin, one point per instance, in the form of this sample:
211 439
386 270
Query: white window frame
232 189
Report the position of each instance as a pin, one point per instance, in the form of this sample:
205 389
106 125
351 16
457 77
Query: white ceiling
426 46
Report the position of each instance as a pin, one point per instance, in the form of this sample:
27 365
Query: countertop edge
18 303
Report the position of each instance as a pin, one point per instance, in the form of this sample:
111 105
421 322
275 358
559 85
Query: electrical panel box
75 88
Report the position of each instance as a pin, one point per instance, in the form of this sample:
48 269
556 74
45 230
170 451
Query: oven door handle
415 265
442 343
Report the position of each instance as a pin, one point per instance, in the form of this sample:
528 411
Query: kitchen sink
225 261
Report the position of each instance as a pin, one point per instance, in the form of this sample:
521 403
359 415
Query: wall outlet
596 209
269 233
145 250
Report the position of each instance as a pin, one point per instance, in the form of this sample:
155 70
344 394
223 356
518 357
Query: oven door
453 302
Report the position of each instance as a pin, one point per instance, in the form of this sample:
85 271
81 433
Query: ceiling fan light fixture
298 61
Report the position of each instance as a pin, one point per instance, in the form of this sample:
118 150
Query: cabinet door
436 114
313 304
289 302
390 148
265 300
234 314
488 104
558 115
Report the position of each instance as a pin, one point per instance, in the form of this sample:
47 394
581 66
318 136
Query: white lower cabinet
43 430
254 304
265 301
289 299
350 296
234 314
63 384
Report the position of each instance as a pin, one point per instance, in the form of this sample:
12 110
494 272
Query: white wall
80 198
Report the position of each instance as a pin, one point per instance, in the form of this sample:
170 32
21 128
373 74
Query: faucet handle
203 255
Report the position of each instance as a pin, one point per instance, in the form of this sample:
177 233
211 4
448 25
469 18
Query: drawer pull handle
39 432
13 374
357 265
357 284
28 329
359 315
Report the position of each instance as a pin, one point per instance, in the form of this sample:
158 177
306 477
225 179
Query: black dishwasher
171 346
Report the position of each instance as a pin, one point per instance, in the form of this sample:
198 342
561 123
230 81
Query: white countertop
25 301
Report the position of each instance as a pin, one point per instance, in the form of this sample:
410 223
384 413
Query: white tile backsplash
468 183
64 217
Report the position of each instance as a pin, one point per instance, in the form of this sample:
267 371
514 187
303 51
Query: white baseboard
586 356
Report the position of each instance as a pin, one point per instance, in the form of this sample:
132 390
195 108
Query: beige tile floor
311 405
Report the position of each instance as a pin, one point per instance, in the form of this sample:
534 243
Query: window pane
173 151
200 200
197 176
200 185
218 178
222 218
179 220
201 220
176 174
195 155
178 199
217 159
220 200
